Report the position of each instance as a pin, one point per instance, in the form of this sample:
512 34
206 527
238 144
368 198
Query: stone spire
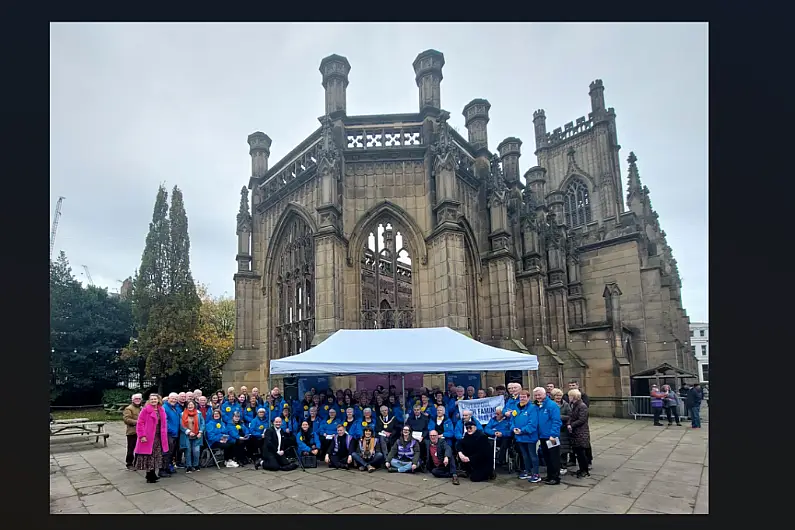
428 74
243 215
637 194
243 234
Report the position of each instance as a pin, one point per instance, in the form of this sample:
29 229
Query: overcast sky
134 105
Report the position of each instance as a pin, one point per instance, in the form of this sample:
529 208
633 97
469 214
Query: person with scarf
308 440
238 434
218 438
152 443
130 417
369 452
273 451
404 457
328 429
190 436
475 454
500 428
387 426
352 426
524 424
340 452
256 432
441 463
250 410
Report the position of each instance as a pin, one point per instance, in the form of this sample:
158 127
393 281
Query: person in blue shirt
238 432
256 431
278 400
459 425
397 408
218 438
328 429
499 427
308 440
173 418
549 424
250 410
352 426
524 424
229 407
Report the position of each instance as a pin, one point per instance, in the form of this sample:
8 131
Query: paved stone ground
638 468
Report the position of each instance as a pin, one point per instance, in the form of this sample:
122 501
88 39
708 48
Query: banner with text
482 409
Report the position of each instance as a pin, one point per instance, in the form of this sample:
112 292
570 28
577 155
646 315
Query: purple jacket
147 421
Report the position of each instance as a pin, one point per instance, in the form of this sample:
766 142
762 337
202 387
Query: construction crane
88 276
55 224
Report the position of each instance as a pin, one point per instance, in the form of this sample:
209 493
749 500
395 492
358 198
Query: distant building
126 289
699 340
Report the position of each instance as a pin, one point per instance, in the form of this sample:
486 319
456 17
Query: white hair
498 409
197 391
137 396
173 394
460 388
230 389
540 389
367 409
466 412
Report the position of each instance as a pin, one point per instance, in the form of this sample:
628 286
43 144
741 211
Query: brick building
552 264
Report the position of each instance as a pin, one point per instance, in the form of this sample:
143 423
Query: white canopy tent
400 351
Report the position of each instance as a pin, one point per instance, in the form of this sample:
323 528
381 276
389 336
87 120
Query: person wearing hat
130 417
475 454
369 451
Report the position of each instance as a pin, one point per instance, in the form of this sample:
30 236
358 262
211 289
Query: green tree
88 327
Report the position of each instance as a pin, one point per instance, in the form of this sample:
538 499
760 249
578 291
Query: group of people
363 430
665 399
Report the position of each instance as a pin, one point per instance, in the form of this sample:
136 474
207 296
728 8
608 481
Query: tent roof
382 351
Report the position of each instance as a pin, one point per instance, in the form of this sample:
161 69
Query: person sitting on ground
238 432
190 436
250 410
273 450
229 407
524 424
256 431
500 428
369 451
475 454
441 463
481 393
352 426
396 408
130 417
308 440
340 452
203 408
579 431
404 457
302 411
565 441
470 392
387 426
218 437
549 424
328 429
153 439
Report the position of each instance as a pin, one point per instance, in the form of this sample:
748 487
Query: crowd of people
364 430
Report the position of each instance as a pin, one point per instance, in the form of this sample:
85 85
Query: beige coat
130 417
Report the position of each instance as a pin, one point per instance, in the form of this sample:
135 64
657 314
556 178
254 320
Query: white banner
482 409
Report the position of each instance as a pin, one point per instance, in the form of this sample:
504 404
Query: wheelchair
513 457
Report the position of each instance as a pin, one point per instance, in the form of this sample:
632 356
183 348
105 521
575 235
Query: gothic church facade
396 220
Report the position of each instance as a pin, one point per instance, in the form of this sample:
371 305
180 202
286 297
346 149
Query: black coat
477 448
393 427
418 424
580 432
271 460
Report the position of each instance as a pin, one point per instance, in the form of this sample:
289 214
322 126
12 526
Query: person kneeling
404 457
273 449
440 458
340 452
476 454
369 453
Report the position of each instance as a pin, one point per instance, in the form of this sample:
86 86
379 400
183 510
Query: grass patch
97 414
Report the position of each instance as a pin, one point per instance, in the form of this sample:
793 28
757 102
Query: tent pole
403 378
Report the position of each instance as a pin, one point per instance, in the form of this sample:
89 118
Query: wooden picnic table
73 420
87 429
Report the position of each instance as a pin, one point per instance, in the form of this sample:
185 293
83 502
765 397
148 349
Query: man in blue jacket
173 420
499 427
549 424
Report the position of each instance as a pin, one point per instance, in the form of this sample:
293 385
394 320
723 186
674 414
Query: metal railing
640 407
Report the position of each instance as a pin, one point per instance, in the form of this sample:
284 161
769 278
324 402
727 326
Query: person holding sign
549 424
524 424
500 428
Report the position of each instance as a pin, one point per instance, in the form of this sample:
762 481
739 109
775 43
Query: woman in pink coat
152 431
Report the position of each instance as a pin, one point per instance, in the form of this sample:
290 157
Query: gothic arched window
577 204
386 280
295 322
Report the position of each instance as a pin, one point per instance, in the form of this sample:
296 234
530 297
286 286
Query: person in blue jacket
397 408
301 409
328 405
452 405
511 399
549 424
250 410
173 419
438 399
256 431
367 419
218 438
229 407
289 423
524 424
328 429
352 426
238 433
459 425
308 440
278 400
499 427
314 420
443 426
317 403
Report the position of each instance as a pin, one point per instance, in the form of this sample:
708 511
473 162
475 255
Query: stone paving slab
638 468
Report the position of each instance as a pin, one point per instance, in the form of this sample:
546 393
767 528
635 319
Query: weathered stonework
398 221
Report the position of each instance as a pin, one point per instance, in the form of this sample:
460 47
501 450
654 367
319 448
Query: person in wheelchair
500 428
274 449
218 438
441 462
369 452
308 440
